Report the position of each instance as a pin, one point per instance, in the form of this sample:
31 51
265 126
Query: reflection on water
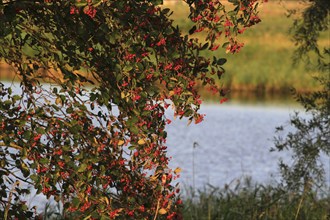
263 99
253 98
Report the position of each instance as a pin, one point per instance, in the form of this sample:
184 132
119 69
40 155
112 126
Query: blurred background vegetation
264 65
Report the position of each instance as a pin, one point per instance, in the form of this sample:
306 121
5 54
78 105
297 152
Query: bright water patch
234 141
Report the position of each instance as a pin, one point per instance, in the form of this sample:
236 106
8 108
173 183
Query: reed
247 200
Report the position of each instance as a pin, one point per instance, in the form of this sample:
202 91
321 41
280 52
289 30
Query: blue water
234 141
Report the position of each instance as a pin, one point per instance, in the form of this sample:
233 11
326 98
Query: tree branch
11 145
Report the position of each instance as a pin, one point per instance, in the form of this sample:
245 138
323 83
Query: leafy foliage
94 138
312 136
306 32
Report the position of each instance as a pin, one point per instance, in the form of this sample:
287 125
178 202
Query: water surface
234 141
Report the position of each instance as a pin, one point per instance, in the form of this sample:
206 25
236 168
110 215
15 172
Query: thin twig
157 210
9 200
11 145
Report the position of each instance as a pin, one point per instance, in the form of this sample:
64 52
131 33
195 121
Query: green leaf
221 61
27 135
16 97
128 68
192 30
67 159
134 130
131 147
40 130
44 161
24 207
82 168
76 202
104 217
69 110
225 45
205 46
157 2
166 10
92 97
87 217
23 153
25 169
34 177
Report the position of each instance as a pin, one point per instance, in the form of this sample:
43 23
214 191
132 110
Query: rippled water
233 141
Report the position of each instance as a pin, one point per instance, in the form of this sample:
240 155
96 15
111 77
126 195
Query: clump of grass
246 200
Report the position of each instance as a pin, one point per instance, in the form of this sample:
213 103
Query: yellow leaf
162 211
122 95
121 142
58 101
177 170
171 93
106 200
141 142
154 136
153 178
